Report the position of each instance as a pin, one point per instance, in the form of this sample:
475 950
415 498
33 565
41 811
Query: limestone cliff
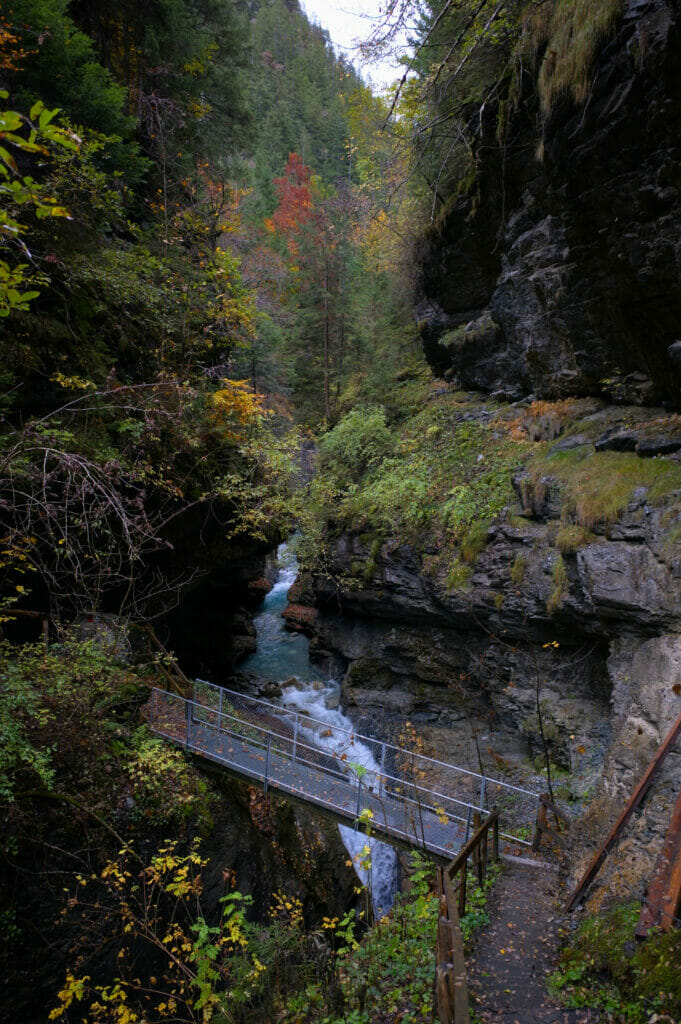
467 666
558 271
555 274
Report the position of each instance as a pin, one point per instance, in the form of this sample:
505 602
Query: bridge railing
268 751
417 783
517 806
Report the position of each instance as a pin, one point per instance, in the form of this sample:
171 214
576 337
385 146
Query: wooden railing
543 828
450 971
635 799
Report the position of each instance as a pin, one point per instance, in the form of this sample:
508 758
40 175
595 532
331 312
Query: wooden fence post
540 821
477 858
462 888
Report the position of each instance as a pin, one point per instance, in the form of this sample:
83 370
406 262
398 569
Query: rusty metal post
635 799
663 896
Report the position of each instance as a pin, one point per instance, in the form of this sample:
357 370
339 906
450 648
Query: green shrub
166 789
360 442
604 967
458 577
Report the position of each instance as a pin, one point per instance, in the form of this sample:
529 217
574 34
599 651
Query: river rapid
282 656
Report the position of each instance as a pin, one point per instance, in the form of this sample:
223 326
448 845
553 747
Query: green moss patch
604 966
445 476
597 487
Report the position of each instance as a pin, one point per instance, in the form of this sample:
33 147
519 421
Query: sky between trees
347 22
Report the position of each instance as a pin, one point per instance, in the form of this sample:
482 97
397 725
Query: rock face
599 651
562 276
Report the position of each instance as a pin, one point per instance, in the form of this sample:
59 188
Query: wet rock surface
561 276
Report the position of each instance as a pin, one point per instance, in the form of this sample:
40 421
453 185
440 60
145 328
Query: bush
360 442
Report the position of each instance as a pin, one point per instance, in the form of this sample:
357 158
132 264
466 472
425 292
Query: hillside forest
428 333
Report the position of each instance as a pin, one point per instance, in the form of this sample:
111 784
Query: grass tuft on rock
597 487
569 32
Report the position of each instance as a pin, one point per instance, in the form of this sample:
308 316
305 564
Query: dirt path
515 952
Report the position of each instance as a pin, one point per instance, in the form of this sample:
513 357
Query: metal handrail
380 784
353 736
386 827
324 769
278 710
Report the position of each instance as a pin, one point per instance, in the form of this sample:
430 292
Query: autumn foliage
296 204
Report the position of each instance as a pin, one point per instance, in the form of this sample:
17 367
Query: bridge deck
263 748
390 819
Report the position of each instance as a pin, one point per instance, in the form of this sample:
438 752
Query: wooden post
220 711
382 780
461 1009
477 859
462 888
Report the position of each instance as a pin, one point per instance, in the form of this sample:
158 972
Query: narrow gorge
340 413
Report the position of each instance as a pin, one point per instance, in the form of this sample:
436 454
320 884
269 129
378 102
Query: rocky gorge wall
466 667
557 270
556 274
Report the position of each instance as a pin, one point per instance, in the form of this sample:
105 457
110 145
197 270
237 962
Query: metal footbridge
409 799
